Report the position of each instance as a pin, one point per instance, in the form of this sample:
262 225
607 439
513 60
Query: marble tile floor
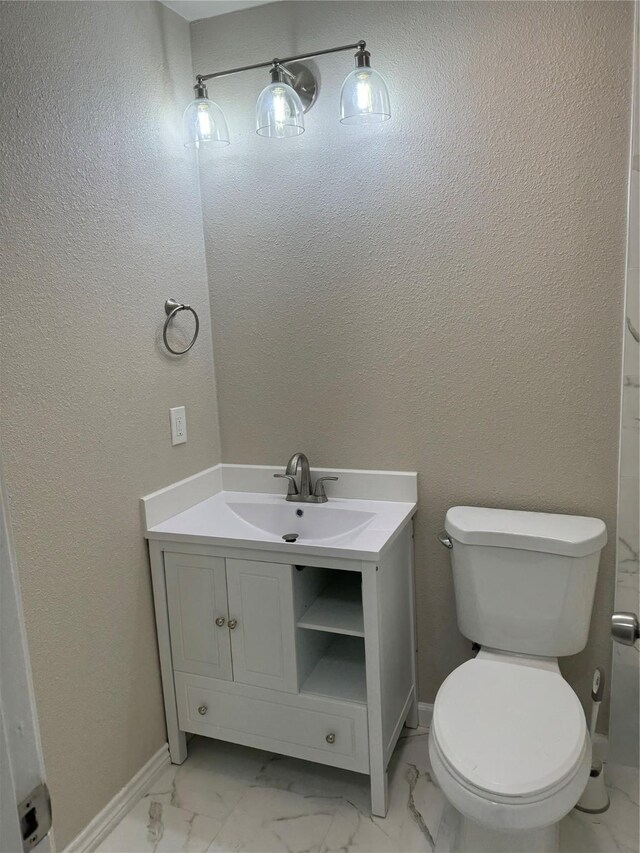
227 798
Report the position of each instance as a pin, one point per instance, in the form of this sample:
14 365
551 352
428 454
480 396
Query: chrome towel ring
171 308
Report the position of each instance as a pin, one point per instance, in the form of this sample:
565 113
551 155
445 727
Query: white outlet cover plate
178 416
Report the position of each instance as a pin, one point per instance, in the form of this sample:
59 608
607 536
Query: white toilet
509 744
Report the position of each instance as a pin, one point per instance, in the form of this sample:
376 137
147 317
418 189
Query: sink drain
290 537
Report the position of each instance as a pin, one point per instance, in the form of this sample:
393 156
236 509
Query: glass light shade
279 112
205 124
364 98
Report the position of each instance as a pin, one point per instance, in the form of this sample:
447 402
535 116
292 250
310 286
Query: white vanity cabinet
288 651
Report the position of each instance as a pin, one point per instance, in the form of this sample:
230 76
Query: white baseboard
425 713
102 824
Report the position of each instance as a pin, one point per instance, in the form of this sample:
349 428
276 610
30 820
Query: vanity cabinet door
196 597
262 626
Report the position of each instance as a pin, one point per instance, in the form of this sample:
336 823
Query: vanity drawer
316 729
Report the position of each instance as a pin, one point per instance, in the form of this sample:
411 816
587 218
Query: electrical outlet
178 417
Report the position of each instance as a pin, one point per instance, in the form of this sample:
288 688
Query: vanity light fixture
280 109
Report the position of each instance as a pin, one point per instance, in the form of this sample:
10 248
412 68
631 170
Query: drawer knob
220 621
331 738
233 623
202 710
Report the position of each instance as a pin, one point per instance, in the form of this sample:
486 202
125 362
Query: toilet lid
509 728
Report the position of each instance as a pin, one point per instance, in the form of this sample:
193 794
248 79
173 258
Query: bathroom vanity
305 647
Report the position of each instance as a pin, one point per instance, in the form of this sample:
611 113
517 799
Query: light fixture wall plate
305 82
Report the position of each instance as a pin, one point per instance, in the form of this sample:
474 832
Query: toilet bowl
510 749
509 744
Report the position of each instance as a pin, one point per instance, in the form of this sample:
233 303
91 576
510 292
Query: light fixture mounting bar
202 78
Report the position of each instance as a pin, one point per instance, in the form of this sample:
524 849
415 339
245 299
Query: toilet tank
524 581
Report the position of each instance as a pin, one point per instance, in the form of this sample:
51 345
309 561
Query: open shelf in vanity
330 633
340 672
338 606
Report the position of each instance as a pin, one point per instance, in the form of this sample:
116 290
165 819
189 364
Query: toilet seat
505 800
515 814
509 731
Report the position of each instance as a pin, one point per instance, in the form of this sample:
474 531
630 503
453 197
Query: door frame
20 746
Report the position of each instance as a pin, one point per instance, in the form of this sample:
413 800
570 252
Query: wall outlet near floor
178 417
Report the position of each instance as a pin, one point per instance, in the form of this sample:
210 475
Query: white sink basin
308 521
343 527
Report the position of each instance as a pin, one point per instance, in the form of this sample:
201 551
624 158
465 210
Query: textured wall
100 223
442 292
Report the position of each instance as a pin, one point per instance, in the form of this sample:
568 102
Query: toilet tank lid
568 535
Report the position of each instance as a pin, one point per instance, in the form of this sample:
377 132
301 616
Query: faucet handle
292 488
318 490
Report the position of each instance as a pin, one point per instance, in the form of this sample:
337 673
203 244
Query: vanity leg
177 745
412 720
377 759
177 739
379 794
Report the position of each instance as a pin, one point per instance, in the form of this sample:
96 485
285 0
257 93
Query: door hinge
34 814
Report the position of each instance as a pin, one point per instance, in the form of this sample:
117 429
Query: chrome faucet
303 495
299 460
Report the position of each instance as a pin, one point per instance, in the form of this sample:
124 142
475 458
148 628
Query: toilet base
473 837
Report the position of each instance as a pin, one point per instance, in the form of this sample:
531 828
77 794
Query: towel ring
171 308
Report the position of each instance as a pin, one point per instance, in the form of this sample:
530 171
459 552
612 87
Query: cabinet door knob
202 710
331 738
233 623
220 621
